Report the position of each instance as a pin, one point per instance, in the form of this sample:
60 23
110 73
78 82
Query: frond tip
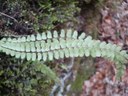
55 45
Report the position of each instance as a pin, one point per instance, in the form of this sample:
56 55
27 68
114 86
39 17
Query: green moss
40 15
20 78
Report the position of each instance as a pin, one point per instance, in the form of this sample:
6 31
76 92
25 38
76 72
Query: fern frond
54 45
39 67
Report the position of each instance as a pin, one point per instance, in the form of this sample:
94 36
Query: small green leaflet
82 36
69 33
98 53
45 55
87 52
9 39
33 38
71 52
76 52
44 36
75 34
62 34
18 54
43 45
61 52
17 47
29 56
88 39
103 45
47 47
37 44
66 52
55 34
39 56
56 44
39 37
7 51
28 38
13 53
33 56
32 47
50 55
62 43
56 54
74 43
81 52
14 40
49 34
23 55
27 45
68 44
22 39
22 47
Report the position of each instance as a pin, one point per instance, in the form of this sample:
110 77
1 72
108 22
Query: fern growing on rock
67 43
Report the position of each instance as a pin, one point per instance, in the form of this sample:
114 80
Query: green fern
46 71
67 43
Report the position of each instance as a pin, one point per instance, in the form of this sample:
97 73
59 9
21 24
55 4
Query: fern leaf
32 47
50 55
44 36
75 34
18 54
56 54
81 52
39 37
52 45
27 47
62 43
7 51
66 53
23 55
76 52
33 38
46 71
28 38
34 57
69 33
103 45
45 56
29 56
55 34
49 34
62 34
87 53
39 56
71 52
43 44
61 53
9 39
12 53
82 36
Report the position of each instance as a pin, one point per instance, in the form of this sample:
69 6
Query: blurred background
106 20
